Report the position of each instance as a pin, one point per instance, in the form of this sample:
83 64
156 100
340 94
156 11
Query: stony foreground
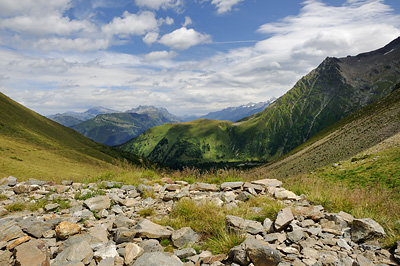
102 227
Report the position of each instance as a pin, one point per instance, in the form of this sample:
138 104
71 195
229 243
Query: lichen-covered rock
365 229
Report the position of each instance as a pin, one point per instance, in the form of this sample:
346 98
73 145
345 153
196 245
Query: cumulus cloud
157 4
188 22
183 38
159 55
150 38
132 24
224 6
32 7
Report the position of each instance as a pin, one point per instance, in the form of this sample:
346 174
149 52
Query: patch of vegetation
37 204
88 195
16 158
3 197
165 242
222 241
64 203
148 194
146 212
16 207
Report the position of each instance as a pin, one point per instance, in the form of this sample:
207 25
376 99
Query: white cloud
157 4
188 22
224 6
150 38
159 55
184 38
77 44
32 7
132 24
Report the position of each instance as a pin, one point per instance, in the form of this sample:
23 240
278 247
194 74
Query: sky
189 56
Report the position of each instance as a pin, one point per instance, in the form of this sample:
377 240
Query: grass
16 207
80 196
146 212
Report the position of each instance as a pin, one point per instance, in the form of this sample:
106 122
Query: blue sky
190 56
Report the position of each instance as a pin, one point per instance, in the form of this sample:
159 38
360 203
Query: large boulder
283 219
366 229
79 251
156 259
33 253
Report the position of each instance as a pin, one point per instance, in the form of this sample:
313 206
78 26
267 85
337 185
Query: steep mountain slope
373 125
32 146
70 119
334 90
236 113
117 128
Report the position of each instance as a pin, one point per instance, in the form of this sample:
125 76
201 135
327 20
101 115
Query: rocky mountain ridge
101 225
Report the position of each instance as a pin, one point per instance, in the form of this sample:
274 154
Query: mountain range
117 128
337 88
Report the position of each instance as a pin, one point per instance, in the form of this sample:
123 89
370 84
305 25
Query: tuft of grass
64 203
80 196
148 194
146 212
165 242
223 240
16 207
37 204
3 197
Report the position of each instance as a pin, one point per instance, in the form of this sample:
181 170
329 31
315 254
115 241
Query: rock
79 251
105 252
151 245
268 225
244 196
66 229
106 262
242 225
123 234
184 236
296 235
132 252
18 241
146 228
185 253
366 229
396 254
34 227
99 232
347 217
363 261
5 257
97 203
204 187
51 207
343 244
284 194
283 218
232 185
33 253
123 221
254 251
156 259
268 182
311 212
8 181
9 230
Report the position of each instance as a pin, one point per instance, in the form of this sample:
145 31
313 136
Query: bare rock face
33 253
366 229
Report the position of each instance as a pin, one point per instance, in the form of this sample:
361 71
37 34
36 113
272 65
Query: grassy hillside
352 135
334 90
32 146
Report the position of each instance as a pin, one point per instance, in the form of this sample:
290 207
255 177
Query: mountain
375 126
337 88
237 113
33 146
117 128
70 119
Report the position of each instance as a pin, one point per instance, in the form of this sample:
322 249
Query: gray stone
9 230
8 181
268 225
123 221
124 234
284 194
283 219
128 187
97 203
238 255
366 229
268 182
156 259
33 253
76 252
363 261
146 228
311 212
295 235
5 257
244 196
204 187
343 244
142 188
240 224
51 207
232 185
105 252
185 253
397 252
132 252
34 227
151 245
184 236
99 232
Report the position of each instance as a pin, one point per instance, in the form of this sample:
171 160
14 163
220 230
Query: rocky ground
101 226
